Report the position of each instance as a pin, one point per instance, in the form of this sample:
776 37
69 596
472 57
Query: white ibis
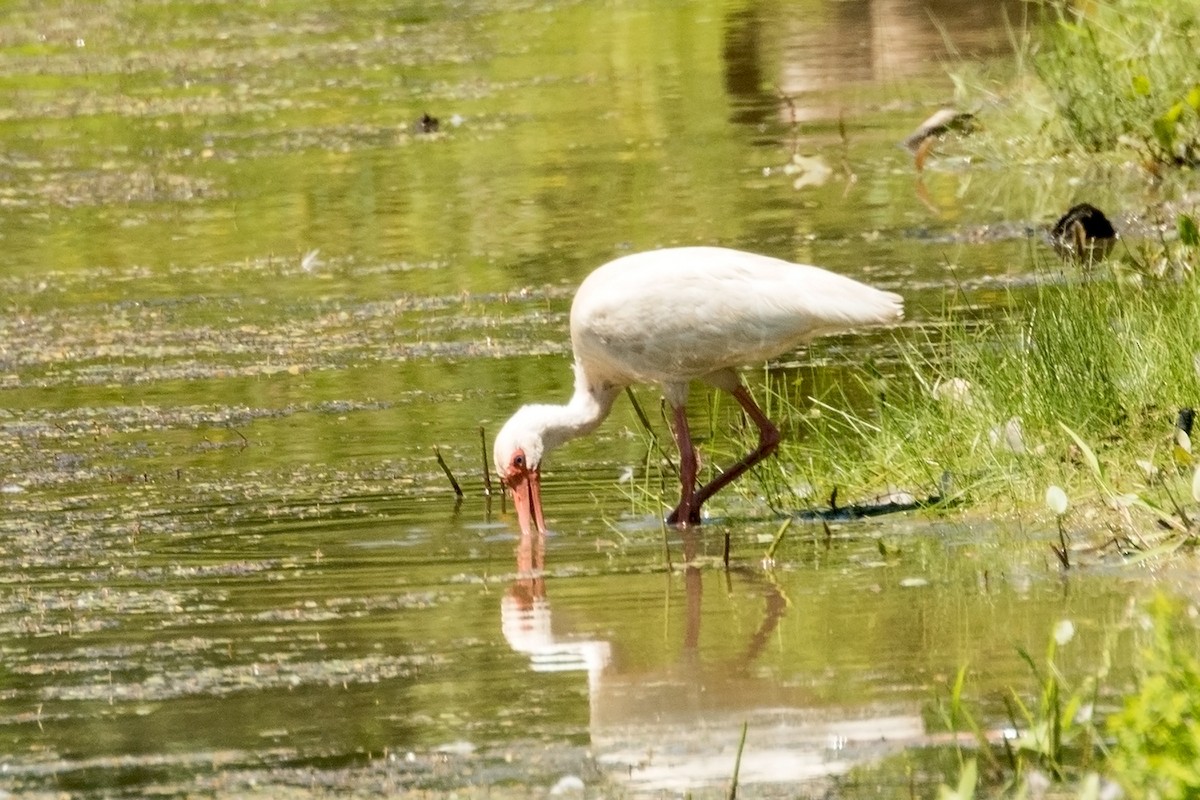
671 317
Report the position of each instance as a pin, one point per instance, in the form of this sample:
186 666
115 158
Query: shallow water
245 296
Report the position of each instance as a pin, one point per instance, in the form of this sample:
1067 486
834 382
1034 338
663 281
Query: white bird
671 317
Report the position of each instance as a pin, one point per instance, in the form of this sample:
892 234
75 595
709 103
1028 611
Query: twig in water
737 764
1063 556
662 524
487 473
794 121
791 104
770 556
667 549
446 469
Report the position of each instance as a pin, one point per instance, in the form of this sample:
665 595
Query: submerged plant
1156 750
1057 733
1052 739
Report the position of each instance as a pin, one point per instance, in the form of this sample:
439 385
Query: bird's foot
684 520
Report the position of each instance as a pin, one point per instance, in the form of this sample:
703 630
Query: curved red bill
527 497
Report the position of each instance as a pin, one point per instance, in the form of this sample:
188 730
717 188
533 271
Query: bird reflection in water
675 726
525 619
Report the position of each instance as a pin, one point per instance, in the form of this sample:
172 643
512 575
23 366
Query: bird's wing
683 313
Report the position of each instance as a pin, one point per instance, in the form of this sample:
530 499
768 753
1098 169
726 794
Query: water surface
246 293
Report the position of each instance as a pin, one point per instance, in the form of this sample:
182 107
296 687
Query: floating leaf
1056 500
311 260
810 171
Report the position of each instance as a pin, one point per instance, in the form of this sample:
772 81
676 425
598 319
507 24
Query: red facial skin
525 484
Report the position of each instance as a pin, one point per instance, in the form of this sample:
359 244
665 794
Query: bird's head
518 454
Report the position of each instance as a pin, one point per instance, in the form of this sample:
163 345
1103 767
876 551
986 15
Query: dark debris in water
64 424
524 769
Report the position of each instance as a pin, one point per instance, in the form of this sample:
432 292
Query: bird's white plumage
677 315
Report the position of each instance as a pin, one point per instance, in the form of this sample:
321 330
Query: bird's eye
519 461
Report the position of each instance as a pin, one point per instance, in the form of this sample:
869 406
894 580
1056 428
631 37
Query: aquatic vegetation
1156 748
1123 73
1096 78
1085 383
1070 408
252 296
1057 502
978 411
1052 737
1150 745
965 789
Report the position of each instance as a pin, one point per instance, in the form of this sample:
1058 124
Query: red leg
768 440
688 510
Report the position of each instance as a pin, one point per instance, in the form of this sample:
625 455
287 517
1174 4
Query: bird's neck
588 407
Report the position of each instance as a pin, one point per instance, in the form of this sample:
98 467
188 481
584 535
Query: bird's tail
851 304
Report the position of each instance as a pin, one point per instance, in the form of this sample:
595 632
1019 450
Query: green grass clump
978 415
1077 382
1125 71
1099 77
1150 745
